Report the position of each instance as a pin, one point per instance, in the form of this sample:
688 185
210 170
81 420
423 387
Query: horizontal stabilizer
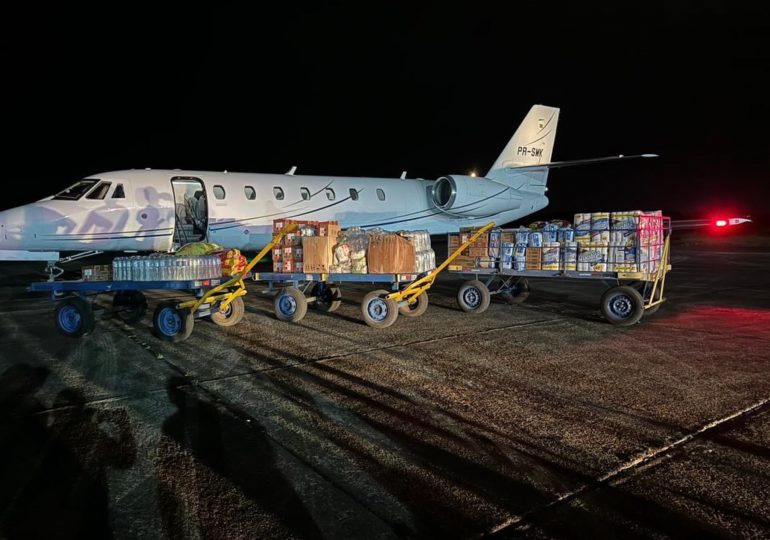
557 164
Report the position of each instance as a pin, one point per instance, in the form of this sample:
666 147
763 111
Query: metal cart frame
629 295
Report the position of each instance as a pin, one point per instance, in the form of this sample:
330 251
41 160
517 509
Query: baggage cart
631 293
402 294
221 300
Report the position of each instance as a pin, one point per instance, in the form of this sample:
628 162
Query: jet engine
470 196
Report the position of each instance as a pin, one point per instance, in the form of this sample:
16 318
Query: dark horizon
357 91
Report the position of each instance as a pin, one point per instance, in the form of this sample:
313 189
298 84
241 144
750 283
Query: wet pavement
539 420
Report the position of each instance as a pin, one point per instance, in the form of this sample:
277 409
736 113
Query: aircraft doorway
191 209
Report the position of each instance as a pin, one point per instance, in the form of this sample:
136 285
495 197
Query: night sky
354 89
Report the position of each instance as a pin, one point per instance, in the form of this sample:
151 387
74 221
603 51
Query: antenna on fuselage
292 170
403 176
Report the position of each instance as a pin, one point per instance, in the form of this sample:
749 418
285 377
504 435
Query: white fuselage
241 209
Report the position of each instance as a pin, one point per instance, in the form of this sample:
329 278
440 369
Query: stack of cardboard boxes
308 249
97 272
482 253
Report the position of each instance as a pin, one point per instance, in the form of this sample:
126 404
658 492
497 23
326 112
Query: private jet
159 210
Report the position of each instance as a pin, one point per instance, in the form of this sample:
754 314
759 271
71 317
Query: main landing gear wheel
417 308
622 306
130 306
290 305
473 297
378 310
74 317
327 298
231 315
170 323
517 294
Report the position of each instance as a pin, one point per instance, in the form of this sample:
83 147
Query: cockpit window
76 190
119 193
100 191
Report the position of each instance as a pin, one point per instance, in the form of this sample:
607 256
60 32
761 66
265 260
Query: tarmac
539 420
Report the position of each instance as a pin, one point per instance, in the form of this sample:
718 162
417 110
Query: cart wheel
416 309
378 310
231 315
473 297
130 306
327 298
290 305
516 294
172 324
622 306
74 317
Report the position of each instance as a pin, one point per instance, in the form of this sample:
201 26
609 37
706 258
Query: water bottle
163 268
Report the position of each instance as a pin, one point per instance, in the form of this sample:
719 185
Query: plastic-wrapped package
419 239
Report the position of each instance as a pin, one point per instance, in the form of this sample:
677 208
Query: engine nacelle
470 196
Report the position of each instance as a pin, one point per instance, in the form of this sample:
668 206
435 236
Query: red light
721 223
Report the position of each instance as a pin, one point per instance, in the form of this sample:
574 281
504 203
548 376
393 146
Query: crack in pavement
628 468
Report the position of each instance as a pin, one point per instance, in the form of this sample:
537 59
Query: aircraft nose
12 228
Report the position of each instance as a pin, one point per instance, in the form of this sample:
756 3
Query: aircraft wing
557 164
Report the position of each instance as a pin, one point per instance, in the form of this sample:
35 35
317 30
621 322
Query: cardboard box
329 228
390 254
97 272
277 253
278 266
508 237
481 241
317 253
533 258
296 253
475 251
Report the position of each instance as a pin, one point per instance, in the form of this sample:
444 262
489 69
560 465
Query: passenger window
278 192
305 193
119 193
380 194
330 194
100 191
250 193
353 194
219 192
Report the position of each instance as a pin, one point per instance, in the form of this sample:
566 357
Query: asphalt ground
539 420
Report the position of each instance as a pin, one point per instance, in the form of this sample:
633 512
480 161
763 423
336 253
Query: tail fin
532 144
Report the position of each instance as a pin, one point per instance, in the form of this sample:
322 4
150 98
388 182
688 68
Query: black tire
473 297
327 297
379 311
74 317
231 315
172 324
130 306
622 306
517 294
290 305
416 309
